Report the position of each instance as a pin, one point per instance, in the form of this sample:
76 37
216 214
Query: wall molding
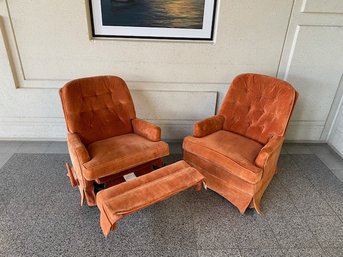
21 82
18 69
47 128
305 130
327 8
290 54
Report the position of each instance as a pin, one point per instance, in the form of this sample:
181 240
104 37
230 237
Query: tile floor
328 156
304 219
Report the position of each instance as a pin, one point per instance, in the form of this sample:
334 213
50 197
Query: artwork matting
159 19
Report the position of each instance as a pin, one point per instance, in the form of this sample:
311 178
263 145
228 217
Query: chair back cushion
258 106
97 107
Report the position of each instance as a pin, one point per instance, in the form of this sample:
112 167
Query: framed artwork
161 19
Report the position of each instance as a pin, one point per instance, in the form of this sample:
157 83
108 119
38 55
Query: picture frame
154 19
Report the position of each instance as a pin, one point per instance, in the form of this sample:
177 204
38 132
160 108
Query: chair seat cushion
235 153
119 153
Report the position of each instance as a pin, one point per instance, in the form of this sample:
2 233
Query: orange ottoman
118 201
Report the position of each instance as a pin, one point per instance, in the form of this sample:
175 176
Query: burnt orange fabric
78 148
208 126
234 189
273 145
93 105
118 201
101 123
146 129
258 106
269 170
239 159
119 153
79 155
221 147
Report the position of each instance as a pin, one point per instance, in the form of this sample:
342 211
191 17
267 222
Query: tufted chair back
258 106
97 107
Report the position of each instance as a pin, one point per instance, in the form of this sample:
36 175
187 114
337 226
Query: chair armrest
146 129
208 126
273 146
78 148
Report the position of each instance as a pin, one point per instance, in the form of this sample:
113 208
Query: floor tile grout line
330 153
240 252
281 248
331 170
277 240
324 199
6 161
291 199
300 168
196 234
340 218
314 186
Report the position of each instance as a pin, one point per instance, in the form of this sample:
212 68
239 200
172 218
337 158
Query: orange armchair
105 139
238 149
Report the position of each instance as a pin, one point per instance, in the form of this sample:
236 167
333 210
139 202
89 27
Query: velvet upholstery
105 138
93 105
146 129
238 149
130 150
208 126
258 106
118 201
226 155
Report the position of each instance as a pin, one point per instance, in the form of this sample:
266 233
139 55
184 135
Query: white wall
46 43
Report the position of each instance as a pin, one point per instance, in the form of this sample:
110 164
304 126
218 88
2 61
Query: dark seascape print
186 14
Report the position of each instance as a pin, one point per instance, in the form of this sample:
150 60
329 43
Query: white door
336 135
312 61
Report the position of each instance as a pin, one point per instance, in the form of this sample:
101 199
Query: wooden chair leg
86 188
71 175
89 193
82 194
198 187
158 163
255 203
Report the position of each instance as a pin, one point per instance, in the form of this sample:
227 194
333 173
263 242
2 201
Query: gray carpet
40 216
